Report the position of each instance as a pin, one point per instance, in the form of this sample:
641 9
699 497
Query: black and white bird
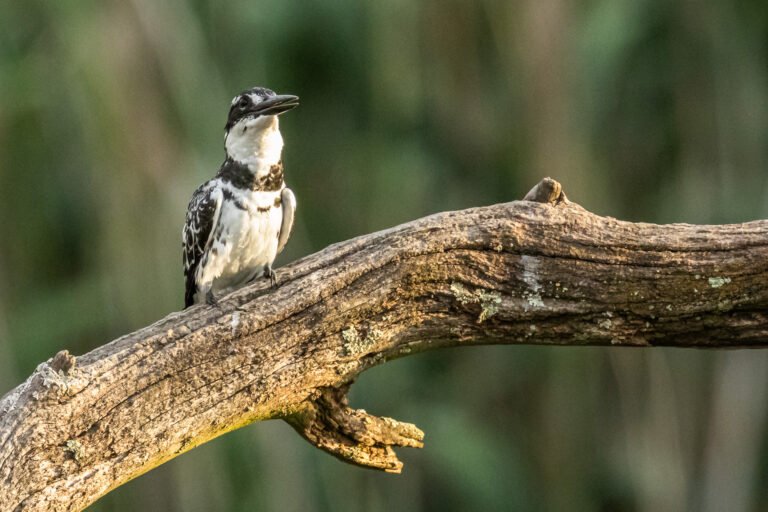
239 221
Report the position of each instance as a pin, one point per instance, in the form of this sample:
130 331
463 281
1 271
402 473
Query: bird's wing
202 216
288 202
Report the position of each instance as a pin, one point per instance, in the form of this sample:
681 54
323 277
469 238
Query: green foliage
112 112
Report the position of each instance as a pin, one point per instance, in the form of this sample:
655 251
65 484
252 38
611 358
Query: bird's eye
243 103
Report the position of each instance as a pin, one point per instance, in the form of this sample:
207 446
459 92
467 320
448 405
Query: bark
525 272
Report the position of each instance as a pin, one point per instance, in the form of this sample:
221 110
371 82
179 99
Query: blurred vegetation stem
540 271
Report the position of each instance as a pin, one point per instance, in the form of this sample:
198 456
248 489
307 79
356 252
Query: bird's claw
270 273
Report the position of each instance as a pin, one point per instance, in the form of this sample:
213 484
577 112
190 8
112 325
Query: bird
238 221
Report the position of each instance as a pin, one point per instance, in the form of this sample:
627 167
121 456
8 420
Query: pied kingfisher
239 221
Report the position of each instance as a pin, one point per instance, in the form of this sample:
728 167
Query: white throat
257 143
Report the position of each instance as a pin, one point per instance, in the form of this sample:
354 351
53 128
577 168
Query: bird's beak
276 105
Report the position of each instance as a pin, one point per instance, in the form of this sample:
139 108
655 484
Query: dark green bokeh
112 112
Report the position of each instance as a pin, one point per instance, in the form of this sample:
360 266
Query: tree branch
515 273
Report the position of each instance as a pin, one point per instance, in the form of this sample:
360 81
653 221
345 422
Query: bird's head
252 135
258 108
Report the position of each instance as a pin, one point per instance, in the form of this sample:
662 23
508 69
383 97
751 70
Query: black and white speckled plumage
202 214
238 222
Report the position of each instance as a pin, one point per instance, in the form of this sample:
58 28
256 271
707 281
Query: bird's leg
210 299
268 272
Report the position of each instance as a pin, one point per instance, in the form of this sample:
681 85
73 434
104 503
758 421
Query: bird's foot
270 273
210 299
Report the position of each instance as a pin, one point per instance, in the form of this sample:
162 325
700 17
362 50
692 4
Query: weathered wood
515 273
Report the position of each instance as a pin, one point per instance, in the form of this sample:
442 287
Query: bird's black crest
243 104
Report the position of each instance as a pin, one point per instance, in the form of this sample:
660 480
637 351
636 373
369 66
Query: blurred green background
112 112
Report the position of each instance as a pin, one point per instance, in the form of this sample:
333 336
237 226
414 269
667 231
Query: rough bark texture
521 272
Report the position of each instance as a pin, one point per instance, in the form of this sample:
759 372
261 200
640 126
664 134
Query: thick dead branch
353 435
545 272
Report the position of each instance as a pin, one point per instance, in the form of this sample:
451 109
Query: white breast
245 240
257 143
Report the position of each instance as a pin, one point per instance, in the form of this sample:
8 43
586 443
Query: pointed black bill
276 105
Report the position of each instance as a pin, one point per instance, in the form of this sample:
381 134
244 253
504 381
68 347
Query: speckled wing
288 202
202 216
